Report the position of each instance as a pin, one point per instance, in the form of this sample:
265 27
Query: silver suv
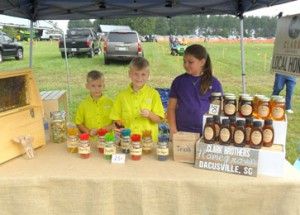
122 45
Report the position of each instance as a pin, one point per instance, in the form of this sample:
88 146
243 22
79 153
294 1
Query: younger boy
93 112
139 107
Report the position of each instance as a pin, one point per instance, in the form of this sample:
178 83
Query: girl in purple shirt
189 96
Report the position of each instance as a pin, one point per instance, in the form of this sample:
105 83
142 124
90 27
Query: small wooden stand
20 112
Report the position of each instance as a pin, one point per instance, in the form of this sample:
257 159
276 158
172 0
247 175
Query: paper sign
118 158
214 109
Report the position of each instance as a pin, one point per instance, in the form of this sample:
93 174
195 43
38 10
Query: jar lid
84 136
244 94
240 122
268 122
278 99
135 137
257 124
231 97
264 99
216 94
259 95
102 131
125 132
225 121
247 98
209 120
228 94
249 120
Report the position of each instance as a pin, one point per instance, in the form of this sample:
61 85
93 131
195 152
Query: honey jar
278 108
230 105
263 108
246 106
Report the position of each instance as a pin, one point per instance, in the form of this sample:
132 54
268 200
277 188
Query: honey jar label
229 109
100 144
238 137
72 143
84 150
277 112
208 133
134 151
109 150
267 135
246 110
147 143
263 111
163 152
256 137
224 135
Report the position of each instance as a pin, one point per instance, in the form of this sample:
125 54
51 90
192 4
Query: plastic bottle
209 131
217 125
84 148
268 133
256 135
239 136
225 133
46 129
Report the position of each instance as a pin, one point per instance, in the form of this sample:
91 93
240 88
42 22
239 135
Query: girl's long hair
200 53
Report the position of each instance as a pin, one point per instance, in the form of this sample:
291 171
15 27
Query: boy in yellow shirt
93 112
139 107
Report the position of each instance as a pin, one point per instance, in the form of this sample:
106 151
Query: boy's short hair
139 63
94 75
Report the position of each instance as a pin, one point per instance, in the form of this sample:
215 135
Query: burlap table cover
57 182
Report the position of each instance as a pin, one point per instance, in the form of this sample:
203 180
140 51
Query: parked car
49 34
122 45
81 41
9 48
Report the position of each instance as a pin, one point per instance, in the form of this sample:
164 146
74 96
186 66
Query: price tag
118 158
214 109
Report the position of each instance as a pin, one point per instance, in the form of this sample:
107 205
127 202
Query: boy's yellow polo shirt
94 114
127 107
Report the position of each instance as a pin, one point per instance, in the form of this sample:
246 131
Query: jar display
225 133
147 141
239 136
110 147
101 139
162 149
263 108
136 148
256 135
268 133
277 108
230 106
246 106
125 141
84 148
58 126
209 131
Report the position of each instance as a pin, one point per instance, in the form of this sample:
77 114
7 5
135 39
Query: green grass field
50 73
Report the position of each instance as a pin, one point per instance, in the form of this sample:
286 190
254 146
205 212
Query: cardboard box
55 101
20 112
184 146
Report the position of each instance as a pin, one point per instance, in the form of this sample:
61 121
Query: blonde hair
139 63
94 75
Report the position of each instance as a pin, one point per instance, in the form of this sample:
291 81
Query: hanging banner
286 54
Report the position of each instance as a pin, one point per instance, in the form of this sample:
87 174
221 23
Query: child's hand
93 132
145 113
118 131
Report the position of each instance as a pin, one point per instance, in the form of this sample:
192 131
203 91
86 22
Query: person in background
93 112
138 107
290 82
189 96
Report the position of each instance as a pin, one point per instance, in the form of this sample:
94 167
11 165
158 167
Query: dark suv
122 45
9 48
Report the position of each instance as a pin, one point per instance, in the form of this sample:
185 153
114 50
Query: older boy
93 112
139 107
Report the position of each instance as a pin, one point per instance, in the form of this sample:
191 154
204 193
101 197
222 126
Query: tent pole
68 73
31 44
243 54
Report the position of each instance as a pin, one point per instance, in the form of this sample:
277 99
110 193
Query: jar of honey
230 106
147 141
256 98
278 108
223 99
240 99
246 106
216 99
263 108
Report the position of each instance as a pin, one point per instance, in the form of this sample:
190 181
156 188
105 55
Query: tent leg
243 54
31 44
68 73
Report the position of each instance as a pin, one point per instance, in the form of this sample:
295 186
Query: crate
55 101
20 112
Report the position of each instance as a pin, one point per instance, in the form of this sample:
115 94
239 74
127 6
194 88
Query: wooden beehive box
21 112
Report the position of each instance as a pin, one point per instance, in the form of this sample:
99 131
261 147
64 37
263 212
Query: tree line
190 25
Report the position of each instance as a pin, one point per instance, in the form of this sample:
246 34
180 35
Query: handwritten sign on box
229 159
